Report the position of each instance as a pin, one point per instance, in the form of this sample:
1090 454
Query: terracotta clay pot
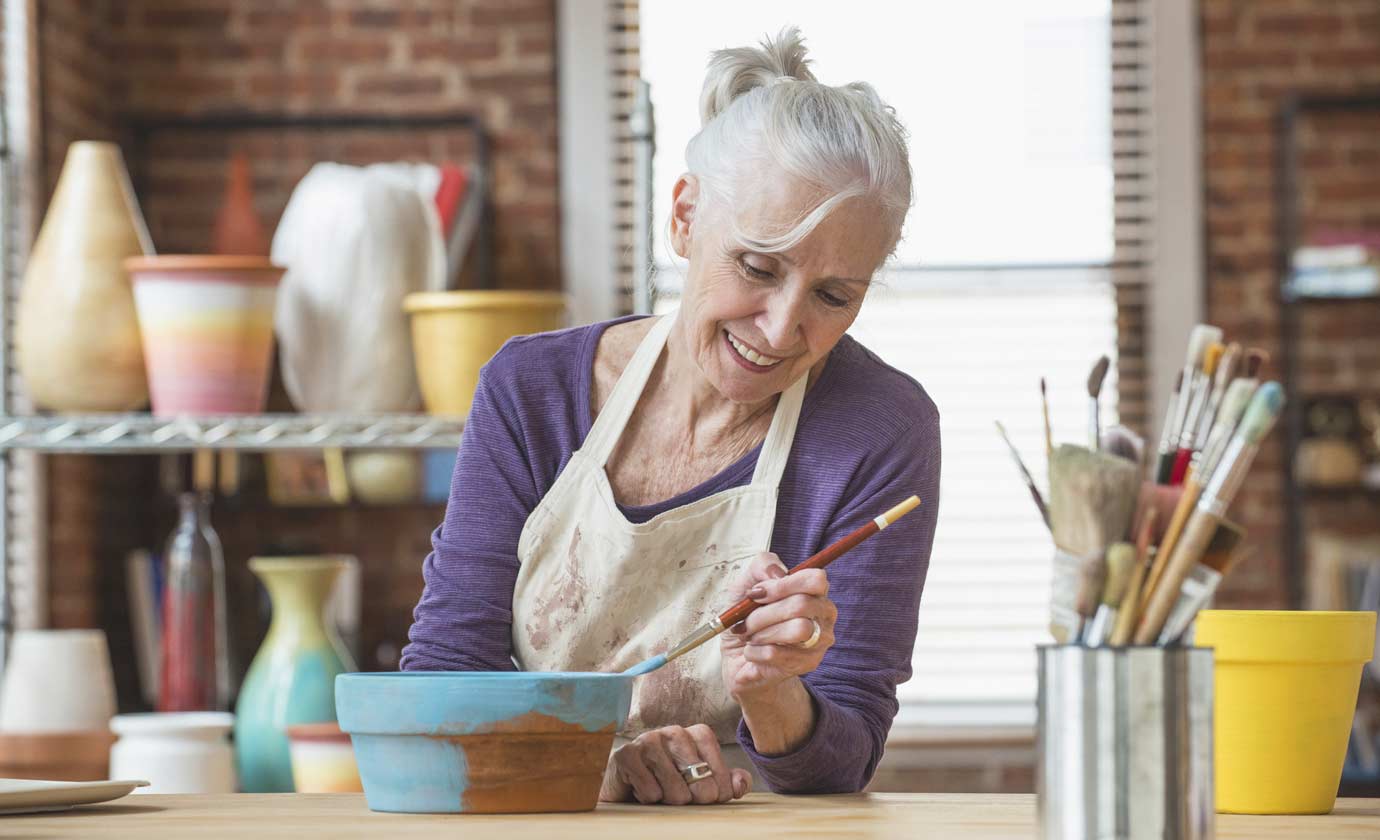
238 228
78 345
56 756
207 323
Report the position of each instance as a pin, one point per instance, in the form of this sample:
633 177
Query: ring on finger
814 637
696 772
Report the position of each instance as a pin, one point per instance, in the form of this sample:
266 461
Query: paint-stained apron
596 592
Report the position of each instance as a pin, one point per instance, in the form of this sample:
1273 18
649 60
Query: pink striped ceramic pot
207 325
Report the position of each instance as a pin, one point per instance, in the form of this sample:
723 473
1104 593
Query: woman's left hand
767 648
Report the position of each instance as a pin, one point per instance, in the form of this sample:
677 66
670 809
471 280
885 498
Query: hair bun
734 72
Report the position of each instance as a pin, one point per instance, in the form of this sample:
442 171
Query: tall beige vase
78 345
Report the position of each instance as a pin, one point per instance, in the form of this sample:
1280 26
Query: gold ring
814 637
696 772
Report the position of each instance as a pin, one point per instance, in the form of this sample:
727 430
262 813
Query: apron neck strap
776 448
613 416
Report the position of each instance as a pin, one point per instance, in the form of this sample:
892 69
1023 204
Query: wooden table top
889 815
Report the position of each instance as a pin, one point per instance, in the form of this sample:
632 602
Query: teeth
748 353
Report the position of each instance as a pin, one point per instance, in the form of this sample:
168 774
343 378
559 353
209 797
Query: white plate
27 796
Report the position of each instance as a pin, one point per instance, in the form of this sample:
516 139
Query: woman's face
755 322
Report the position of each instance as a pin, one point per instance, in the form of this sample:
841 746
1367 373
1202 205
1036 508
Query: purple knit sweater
868 437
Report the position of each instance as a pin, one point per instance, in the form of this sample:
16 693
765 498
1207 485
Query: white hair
762 105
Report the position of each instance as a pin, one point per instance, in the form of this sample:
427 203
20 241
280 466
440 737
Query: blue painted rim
469 702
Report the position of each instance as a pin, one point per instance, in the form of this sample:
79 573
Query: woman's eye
831 299
760 274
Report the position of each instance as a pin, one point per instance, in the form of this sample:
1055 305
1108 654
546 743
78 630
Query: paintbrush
1221 488
1049 435
1199 340
1234 402
1201 394
1228 368
1095 377
1124 443
1025 474
1238 396
1129 611
1164 449
1120 558
745 607
1092 496
1201 584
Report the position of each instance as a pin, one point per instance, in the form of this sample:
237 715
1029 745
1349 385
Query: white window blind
1009 271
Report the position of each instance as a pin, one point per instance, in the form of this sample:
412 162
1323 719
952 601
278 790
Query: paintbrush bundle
1106 591
1092 499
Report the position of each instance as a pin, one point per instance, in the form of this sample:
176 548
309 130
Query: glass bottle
194 664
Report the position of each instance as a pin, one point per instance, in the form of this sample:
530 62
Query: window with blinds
1021 260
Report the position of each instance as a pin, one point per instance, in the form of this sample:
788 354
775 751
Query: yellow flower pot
1285 696
455 333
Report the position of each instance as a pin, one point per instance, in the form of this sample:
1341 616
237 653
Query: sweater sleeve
876 588
463 621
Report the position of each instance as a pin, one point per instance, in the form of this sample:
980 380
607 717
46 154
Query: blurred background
1092 177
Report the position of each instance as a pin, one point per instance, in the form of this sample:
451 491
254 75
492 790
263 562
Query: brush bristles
1092 497
1214 355
1202 337
1224 549
1121 557
1227 367
1099 373
1262 412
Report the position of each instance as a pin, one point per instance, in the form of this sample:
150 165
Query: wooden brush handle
744 608
1192 490
1130 608
1189 548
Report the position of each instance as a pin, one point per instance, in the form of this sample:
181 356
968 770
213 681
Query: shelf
1290 297
133 433
1338 492
1326 300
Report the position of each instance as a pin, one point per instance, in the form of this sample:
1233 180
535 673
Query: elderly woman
621 483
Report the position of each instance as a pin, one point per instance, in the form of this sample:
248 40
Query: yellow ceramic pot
77 343
1285 696
455 333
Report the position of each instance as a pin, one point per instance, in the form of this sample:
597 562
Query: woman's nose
780 323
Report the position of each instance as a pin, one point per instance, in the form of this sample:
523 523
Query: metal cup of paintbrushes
1124 743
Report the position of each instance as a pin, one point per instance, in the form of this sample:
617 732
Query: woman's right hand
648 769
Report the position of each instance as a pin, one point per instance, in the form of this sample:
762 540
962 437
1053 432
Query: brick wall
1254 54
101 61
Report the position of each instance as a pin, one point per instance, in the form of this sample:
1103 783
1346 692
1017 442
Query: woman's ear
684 196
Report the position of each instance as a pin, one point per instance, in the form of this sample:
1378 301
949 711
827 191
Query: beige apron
596 592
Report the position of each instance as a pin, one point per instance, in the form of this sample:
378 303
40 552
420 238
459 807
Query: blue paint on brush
646 666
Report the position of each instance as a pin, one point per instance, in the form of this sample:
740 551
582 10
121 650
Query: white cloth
596 592
355 242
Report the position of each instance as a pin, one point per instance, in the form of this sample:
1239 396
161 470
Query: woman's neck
693 401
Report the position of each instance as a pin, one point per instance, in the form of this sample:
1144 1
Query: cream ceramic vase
78 345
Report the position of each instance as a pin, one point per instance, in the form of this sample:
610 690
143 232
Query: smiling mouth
753 359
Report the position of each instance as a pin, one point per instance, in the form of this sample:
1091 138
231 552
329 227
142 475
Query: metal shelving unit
111 434
1287 179
134 433
1296 494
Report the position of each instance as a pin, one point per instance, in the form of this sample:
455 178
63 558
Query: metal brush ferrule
705 632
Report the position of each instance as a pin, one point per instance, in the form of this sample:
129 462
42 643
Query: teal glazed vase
292 677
